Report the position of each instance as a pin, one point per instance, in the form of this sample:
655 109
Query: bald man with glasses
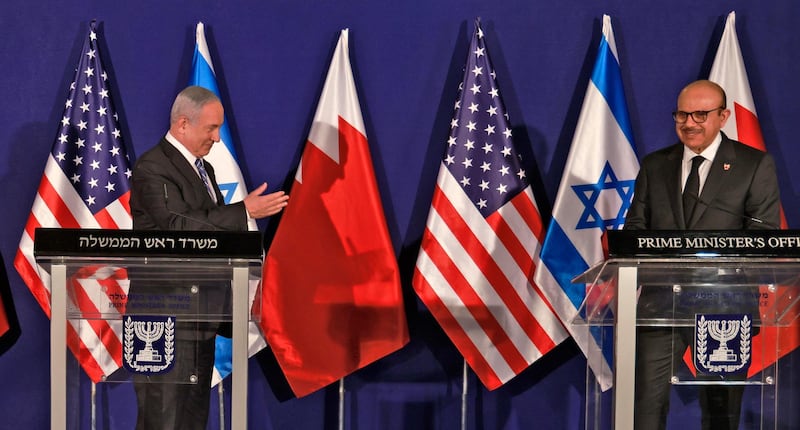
704 182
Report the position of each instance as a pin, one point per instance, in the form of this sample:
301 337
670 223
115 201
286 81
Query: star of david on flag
591 194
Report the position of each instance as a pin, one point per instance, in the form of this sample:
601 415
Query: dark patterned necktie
204 175
691 192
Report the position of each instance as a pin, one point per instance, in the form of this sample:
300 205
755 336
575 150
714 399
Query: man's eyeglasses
698 116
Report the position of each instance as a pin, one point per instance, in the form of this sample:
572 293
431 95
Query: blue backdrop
271 57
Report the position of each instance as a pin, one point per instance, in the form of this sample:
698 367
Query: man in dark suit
174 189
705 182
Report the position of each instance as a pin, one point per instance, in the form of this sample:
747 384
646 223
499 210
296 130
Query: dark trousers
164 404
657 350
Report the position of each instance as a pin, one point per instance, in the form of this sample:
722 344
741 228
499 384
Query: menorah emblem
148 344
723 331
149 332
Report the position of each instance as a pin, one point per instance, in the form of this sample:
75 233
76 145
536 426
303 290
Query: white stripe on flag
442 288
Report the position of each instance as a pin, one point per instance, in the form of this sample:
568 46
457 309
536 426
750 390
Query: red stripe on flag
105 220
56 204
459 337
125 201
492 271
511 242
530 214
117 296
507 236
83 355
31 277
93 315
473 303
31 226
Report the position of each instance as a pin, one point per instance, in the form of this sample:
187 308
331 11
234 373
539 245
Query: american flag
479 249
85 185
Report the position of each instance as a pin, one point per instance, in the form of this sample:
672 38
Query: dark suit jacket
741 185
167 194
165 184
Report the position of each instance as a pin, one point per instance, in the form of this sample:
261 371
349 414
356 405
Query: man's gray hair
189 102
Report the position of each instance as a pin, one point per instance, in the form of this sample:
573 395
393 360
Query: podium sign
717 300
128 300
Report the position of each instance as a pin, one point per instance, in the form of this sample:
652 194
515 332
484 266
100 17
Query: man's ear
726 113
183 122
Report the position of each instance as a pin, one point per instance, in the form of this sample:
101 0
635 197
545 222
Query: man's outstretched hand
260 205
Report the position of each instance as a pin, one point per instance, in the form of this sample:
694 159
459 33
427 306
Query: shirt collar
709 153
182 149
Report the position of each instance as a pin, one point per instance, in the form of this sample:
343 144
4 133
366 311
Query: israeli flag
595 193
222 155
231 183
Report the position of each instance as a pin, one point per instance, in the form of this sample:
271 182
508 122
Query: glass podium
727 305
127 302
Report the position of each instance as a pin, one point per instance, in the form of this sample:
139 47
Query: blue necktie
204 175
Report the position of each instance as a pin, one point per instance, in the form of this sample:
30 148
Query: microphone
187 217
697 198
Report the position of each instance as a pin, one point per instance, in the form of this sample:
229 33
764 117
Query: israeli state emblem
148 344
722 343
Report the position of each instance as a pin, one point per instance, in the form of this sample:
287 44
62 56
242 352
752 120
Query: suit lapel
187 171
674 185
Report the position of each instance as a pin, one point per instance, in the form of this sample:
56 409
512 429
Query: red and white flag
85 185
331 287
482 238
729 72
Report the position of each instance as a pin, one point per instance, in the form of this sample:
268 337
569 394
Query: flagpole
341 404
221 395
464 388
94 405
